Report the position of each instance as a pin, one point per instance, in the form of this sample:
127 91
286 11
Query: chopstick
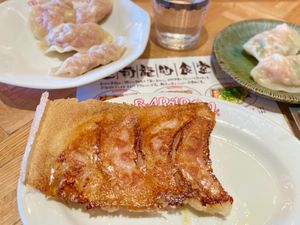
295 112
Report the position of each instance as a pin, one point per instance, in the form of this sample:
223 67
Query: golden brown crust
113 156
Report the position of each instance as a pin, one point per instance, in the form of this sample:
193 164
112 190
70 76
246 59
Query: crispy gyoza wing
115 156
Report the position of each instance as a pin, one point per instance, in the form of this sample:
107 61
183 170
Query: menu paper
193 75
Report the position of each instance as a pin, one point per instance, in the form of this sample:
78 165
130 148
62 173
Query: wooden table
17 105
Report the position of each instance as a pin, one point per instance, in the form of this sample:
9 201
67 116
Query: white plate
256 161
23 63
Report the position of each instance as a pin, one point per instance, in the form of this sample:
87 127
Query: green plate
234 61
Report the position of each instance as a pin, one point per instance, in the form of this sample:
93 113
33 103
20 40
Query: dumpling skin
97 55
92 11
279 73
76 37
45 16
32 3
282 40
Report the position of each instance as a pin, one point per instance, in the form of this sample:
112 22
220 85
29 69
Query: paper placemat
194 75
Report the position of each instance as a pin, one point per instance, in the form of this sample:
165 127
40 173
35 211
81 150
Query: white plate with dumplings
230 57
255 160
24 63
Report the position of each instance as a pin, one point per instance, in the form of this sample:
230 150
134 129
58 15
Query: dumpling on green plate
281 73
281 40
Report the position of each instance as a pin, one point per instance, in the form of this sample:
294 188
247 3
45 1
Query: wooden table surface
17 105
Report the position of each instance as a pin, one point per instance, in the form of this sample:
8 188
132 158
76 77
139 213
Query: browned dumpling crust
113 156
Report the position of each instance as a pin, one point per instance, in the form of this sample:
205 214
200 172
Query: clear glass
178 22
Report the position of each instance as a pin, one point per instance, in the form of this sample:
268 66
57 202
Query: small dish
235 62
23 63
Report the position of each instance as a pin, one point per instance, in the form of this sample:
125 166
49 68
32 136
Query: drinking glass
178 22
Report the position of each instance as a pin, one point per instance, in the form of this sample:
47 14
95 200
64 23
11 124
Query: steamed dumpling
282 40
45 16
36 2
279 73
79 37
97 55
92 11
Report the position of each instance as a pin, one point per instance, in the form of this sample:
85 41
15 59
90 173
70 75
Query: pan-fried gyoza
118 156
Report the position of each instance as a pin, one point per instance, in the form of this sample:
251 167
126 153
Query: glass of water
178 22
